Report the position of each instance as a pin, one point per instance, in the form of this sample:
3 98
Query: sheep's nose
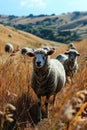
72 60
38 63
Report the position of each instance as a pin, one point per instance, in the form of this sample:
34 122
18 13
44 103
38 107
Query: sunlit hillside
15 88
20 38
63 28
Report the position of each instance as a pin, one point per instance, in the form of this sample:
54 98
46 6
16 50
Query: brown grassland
15 88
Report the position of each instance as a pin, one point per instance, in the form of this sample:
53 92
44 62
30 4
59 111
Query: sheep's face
40 60
40 57
72 55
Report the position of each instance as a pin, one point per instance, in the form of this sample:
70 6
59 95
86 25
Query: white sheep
62 58
24 50
71 46
48 76
9 47
70 64
48 48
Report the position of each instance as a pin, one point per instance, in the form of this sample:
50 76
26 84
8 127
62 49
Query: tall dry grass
15 78
15 89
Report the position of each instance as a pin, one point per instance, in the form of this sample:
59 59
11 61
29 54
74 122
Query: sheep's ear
66 52
78 54
31 54
50 52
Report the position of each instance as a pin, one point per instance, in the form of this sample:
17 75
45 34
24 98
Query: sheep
71 46
46 47
10 35
70 64
48 76
61 58
9 47
24 50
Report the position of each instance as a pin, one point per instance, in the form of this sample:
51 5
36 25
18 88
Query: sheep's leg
39 109
68 80
72 81
46 106
54 97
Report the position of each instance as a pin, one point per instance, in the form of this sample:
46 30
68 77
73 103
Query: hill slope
63 28
20 38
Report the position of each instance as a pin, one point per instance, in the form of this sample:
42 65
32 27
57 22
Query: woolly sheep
48 76
48 48
24 50
9 47
70 62
61 58
71 46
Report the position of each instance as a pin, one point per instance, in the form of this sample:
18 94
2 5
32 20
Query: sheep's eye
43 57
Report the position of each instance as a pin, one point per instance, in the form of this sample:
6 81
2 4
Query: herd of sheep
49 76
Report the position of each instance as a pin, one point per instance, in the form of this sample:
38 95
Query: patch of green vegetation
49 33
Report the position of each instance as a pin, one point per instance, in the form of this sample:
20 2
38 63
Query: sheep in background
24 50
48 76
71 46
61 58
9 47
69 62
10 35
48 48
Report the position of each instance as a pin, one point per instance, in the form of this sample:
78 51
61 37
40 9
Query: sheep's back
59 73
61 58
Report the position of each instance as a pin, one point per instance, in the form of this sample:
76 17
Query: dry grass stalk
6 114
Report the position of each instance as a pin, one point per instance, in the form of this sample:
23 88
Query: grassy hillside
15 88
21 39
61 28
18 37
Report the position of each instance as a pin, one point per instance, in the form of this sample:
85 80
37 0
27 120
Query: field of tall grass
15 90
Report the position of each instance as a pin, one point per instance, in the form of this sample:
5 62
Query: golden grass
80 120
15 78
